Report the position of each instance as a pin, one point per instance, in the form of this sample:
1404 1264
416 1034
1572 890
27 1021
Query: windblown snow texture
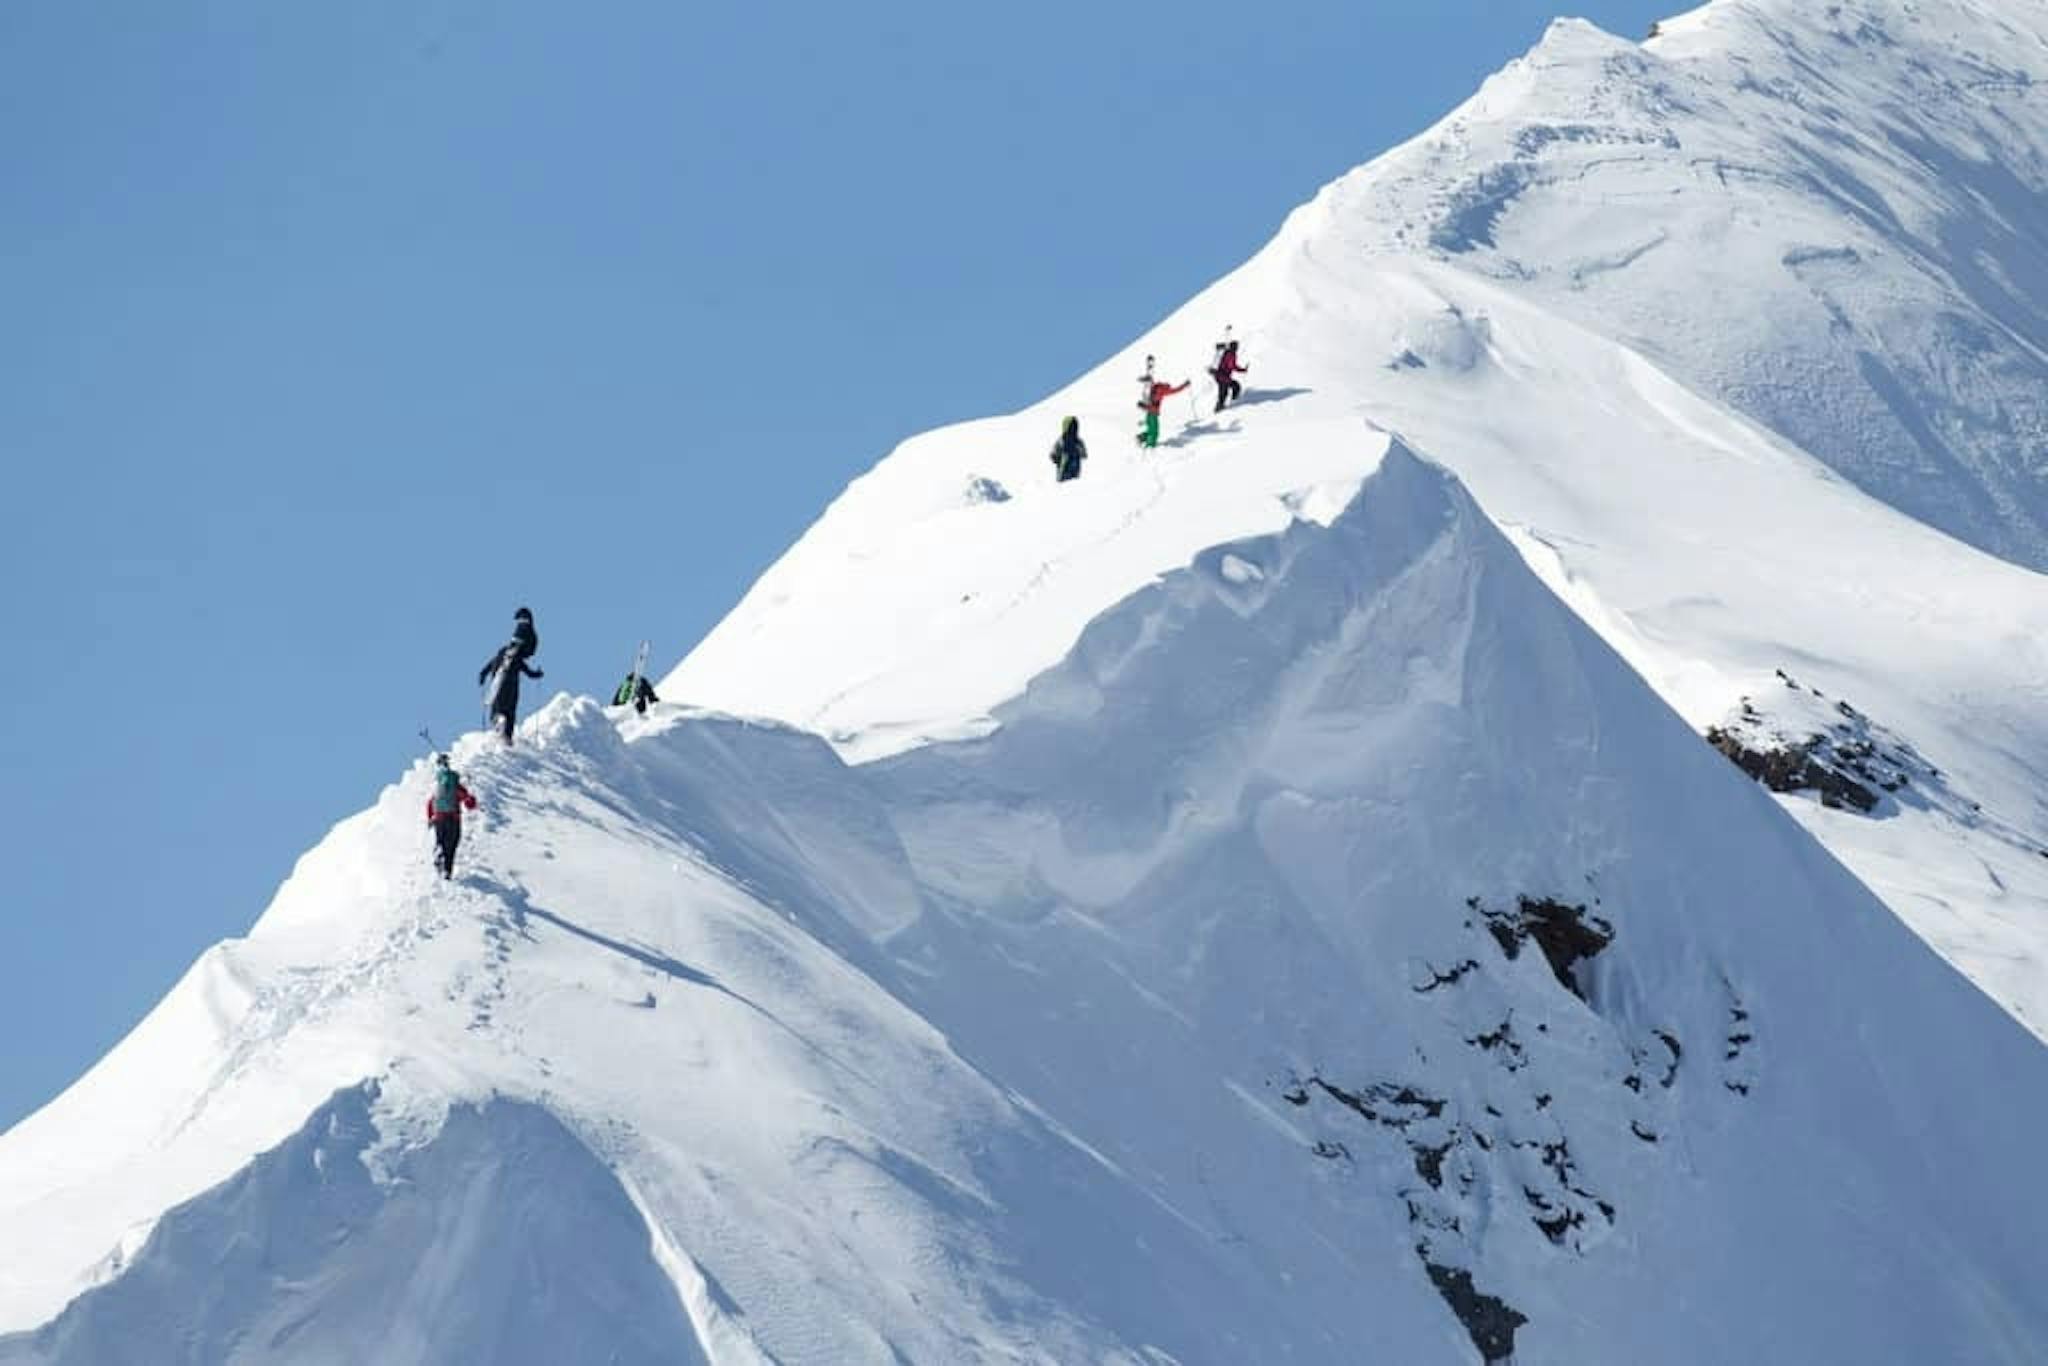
1273 900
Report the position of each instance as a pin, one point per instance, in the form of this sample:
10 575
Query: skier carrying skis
636 691
1068 452
1227 387
1156 394
503 671
444 813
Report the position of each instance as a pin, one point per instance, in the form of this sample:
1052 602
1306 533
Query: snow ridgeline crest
1339 906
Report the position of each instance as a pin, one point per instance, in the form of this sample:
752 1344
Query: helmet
523 614
440 761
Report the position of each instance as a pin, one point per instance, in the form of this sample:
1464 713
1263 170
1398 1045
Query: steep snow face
1830 216
1339 952
1614 293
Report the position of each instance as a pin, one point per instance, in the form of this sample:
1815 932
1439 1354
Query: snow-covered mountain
1274 899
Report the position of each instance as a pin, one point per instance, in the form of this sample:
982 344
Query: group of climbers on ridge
511 662
500 678
1070 451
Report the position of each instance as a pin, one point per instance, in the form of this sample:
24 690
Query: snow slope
1476 292
1268 901
1176 1019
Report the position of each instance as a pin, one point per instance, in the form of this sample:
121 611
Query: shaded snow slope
1340 953
501 1239
1713 327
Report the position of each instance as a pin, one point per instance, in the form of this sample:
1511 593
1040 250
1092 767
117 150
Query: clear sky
329 334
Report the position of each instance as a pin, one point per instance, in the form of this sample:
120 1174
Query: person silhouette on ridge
1224 372
635 691
501 674
1069 451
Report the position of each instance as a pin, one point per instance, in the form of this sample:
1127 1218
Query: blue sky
333 333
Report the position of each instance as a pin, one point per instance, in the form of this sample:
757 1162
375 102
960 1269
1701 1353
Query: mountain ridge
1270 900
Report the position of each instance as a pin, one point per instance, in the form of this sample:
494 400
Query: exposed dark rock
1325 1148
1567 935
1740 1088
1640 1132
1792 768
1836 752
1429 1162
1504 1041
1444 979
1409 1096
1295 1094
1677 1053
1491 1321
1387 1099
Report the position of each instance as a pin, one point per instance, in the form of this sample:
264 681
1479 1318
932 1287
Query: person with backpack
1224 372
636 691
501 674
1069 451
1156 394
444 813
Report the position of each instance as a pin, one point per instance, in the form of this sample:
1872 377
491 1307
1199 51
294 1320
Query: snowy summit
1518 838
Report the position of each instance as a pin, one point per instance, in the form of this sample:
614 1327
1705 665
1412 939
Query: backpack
447 792
624 696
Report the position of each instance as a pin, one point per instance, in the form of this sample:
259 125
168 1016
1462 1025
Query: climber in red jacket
1155 396
444 813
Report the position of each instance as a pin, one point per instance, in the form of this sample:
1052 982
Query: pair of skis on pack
1146 380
